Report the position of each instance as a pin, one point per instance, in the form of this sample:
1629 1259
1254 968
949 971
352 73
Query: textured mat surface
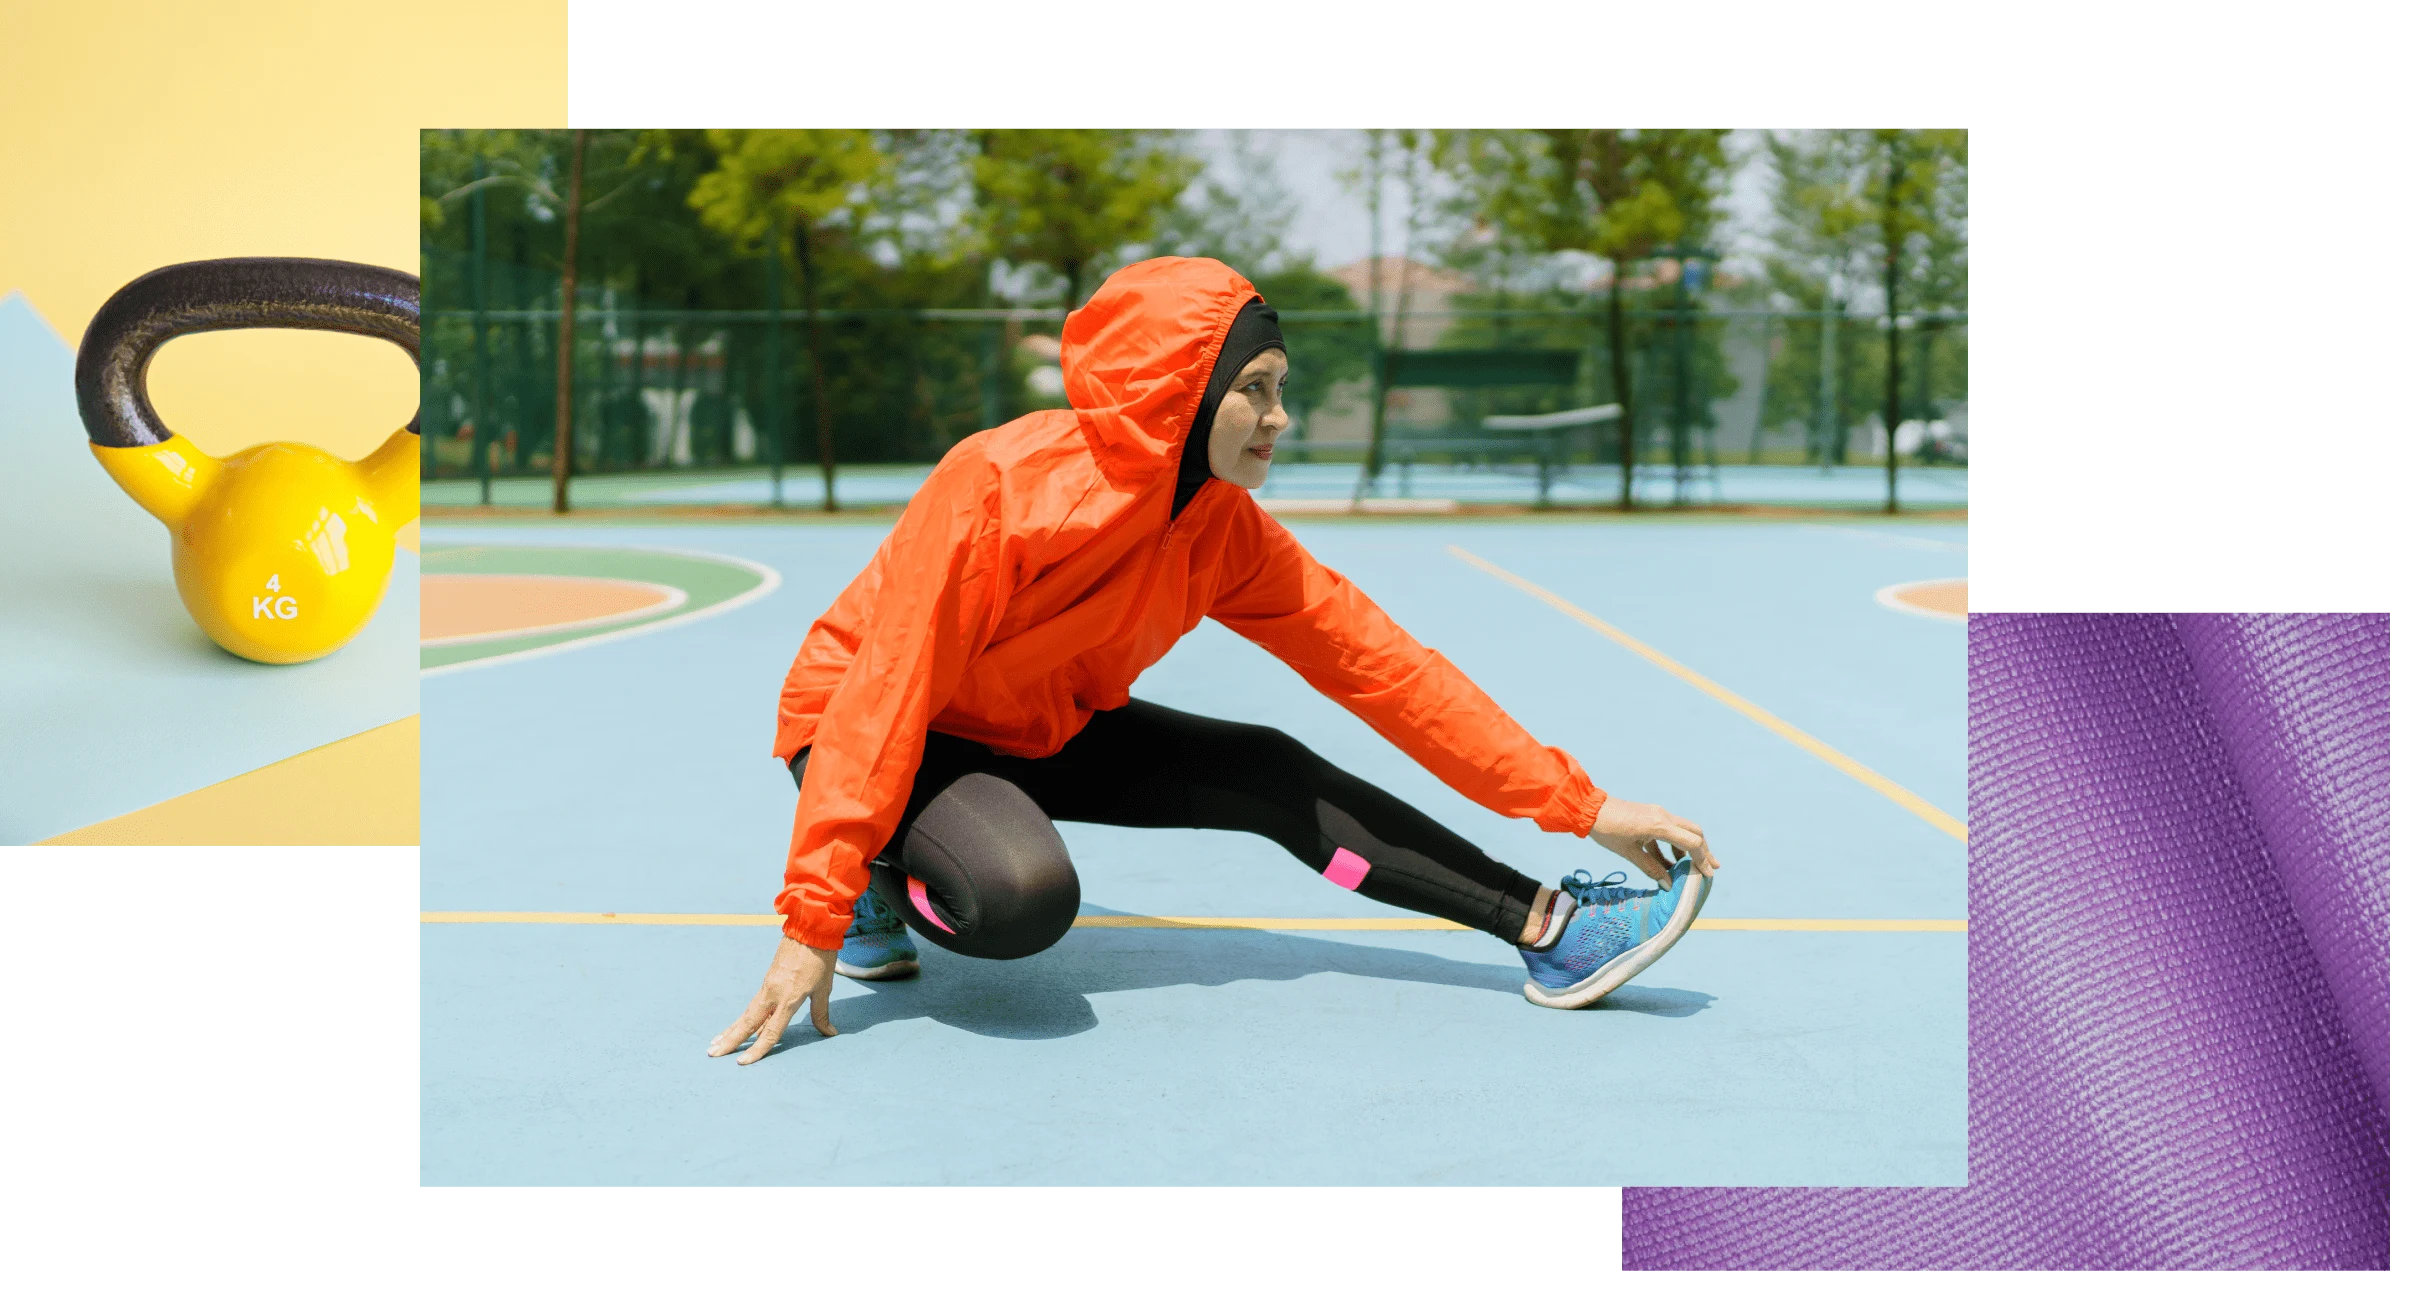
2179 972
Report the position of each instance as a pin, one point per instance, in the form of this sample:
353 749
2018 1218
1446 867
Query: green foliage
1244 223
1833 223
770 180
1933 370
1070 199
1832 214
1615 193
676 295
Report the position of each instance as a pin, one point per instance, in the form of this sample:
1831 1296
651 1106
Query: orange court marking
477 607
1939 598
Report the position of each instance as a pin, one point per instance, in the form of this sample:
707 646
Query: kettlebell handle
210 295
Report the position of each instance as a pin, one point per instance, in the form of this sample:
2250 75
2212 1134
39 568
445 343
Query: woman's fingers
771 1031
1688 838
1653 839
1686 841
819 1006
742 1028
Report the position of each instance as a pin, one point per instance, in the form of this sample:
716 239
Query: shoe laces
879 919
1588 891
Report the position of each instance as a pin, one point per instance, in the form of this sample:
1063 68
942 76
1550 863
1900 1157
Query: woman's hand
1635 829
798 972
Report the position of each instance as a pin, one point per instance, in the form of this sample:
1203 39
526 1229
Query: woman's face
1241 443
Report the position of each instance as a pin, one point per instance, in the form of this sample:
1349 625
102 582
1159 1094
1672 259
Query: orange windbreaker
1039 570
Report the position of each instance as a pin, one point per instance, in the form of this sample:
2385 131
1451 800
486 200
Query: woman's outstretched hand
798 972
1635 829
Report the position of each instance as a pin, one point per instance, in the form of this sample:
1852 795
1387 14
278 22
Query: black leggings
977 868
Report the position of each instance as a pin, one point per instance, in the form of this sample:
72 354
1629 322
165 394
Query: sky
1331 216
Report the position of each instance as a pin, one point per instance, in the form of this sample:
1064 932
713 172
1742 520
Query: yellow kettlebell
281 551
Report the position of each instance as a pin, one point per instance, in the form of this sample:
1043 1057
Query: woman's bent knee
983 872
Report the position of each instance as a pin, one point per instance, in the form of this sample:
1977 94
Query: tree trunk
1892 237
1072 287
1620 351
641 379
561 463
804 253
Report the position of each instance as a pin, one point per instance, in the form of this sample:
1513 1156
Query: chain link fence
675 405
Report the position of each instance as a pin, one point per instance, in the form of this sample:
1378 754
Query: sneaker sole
891 970
1618 971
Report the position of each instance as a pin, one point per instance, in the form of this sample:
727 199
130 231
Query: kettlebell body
282 551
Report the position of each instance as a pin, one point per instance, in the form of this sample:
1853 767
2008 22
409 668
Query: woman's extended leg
976 867
1150 766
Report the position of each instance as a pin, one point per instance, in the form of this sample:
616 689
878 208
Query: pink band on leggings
1347 868
920 900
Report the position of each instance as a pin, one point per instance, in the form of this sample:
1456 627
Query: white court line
1897 539
1889 595
1899 796
769 580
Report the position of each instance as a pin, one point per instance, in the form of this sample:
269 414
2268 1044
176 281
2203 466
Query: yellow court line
1921 808
1166 922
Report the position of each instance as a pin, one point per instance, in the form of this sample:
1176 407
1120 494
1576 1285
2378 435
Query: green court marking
709 582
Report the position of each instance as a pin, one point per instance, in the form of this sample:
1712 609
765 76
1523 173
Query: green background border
2202 234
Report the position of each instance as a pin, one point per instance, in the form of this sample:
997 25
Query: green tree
495 212
1070 199
816 190
1618 194
1872 218
1916 168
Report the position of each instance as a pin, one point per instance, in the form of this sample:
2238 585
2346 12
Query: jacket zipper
1156 564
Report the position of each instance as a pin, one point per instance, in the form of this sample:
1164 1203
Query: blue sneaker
876 945
1615 932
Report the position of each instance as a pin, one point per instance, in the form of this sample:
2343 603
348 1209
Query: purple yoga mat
2178 971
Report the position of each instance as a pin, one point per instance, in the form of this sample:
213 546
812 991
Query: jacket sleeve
1278 596
934 583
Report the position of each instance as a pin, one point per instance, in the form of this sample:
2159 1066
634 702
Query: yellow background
134 135
141 134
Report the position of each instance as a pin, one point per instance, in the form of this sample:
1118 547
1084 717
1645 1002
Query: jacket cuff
1573 807
816 925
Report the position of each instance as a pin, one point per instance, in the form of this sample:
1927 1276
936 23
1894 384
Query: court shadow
1047 996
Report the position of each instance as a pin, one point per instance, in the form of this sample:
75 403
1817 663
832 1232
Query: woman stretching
972 686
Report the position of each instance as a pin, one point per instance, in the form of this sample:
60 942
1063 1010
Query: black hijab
1255 330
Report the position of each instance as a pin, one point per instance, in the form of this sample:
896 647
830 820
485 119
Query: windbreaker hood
1137 359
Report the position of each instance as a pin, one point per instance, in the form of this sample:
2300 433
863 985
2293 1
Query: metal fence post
481 328
776 311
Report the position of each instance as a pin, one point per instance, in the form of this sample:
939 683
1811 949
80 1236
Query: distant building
1418 296
1430 290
